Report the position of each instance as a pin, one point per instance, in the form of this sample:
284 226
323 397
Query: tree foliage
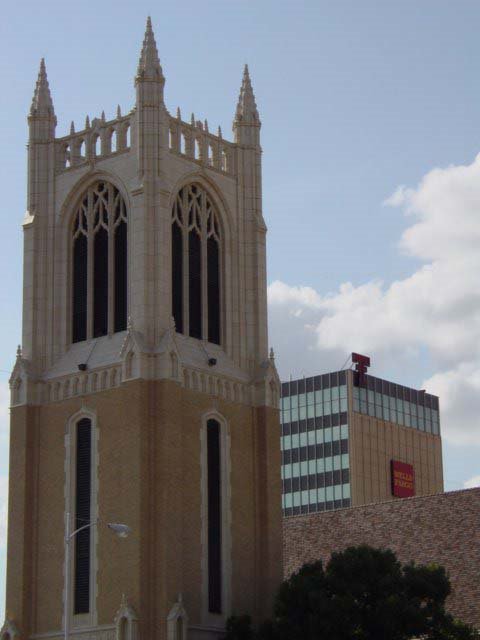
362 594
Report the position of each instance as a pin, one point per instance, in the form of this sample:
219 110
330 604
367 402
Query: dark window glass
346 502
337 477
195 284
342 378
82 516
317 383
302 426
79 328
345 476
301 386
295 484
309 384
177 277
320 480
344 446
337 504
294 455
336 448
100 283
286 429
121 277
214 518
304 483
303 454
286 455
285 389
213 279
304 508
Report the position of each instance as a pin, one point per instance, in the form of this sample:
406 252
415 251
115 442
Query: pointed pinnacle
179 115
72 128
206 125
119 111
149 63
87 123
192 120
219 131
246 107
103 116
42 100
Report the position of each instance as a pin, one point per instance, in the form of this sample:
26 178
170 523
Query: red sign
361 366
403 479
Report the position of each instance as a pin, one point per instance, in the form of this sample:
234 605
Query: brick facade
442 528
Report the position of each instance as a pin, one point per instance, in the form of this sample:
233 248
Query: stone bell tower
143 392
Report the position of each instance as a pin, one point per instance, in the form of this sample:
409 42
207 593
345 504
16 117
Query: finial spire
149 64
246 108
119 111
42 104
72 128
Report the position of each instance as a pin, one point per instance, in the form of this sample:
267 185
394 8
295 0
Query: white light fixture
121 530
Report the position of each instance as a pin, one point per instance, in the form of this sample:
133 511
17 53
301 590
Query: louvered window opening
99 263
214 518
83 491
196 265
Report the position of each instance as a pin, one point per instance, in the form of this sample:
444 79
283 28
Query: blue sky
356 100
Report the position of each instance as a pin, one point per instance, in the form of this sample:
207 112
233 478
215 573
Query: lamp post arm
85 526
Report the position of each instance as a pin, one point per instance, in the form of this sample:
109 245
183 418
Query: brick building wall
442 528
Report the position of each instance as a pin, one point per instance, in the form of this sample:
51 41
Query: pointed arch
99 248
197 253
216 515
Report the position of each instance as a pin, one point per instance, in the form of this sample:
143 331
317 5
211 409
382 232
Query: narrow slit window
100 284
177 276
214 518
213 271
79 329
195 283
83 491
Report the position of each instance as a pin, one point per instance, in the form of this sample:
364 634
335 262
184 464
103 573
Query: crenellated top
193 140
100 139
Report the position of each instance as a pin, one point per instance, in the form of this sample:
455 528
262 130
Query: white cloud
434 313
472 482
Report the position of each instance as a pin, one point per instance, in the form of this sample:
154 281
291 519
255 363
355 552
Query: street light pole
121 530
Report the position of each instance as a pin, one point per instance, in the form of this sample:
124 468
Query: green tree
362 594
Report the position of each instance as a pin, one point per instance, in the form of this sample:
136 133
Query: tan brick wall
443 528
374 443
149 477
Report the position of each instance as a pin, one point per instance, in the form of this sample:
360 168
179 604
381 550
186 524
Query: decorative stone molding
126 622
177 621
195 142
99 140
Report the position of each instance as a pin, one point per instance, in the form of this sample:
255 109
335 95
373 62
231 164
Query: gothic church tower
143 392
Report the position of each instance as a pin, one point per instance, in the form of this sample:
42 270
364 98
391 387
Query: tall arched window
83 494
214 505
196 265
99 263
